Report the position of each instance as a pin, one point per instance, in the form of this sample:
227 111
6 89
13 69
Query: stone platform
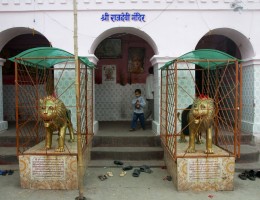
41 169
199 171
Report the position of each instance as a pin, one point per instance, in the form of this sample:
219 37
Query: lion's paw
71 140
60 149
181 140
190 150
47 147
209 151
199 142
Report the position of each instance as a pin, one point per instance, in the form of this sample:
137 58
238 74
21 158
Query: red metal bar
175 107
161 103
217 108
236 111
166 111
16 109
92 100
37 103
240 107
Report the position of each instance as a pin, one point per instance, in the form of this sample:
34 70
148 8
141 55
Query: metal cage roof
46 57
205 58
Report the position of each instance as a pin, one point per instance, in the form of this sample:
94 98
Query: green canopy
46 57
205 58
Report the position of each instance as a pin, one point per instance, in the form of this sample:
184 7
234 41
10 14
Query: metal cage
50 71
202 72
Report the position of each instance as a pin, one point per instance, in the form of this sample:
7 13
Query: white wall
113 101
174 26
171 27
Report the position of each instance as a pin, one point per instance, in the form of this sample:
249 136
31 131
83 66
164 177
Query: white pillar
157 63
251 98
3 124
92 58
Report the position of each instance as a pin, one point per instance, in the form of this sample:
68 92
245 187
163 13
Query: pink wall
123 76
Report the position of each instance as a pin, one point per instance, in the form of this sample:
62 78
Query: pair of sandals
251 175
6 172
118 162
257 174
143 168
104 177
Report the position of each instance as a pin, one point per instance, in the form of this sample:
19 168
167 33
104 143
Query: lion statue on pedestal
56 117
201 119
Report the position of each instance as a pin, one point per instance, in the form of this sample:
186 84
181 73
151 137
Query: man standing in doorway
149 94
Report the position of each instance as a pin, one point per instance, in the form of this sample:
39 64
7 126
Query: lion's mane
59 115
201 115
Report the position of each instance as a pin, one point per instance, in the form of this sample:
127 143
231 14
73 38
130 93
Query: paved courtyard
145 187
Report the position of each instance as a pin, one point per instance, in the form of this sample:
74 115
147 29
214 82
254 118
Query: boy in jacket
138 104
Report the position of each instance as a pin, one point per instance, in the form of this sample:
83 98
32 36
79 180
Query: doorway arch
113 99
14 41
124 30
238 45
228 36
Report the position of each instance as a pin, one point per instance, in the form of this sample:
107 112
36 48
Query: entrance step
126 141
14 167
248 154
134 163
245 138
10 141
7 141
8 156
239 167
115 142
249 159
127 153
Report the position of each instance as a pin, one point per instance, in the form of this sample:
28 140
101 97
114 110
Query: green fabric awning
205 58
47 57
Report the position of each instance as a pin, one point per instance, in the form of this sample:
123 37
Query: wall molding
30 5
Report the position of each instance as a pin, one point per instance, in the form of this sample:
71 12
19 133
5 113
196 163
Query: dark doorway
12 48
218 42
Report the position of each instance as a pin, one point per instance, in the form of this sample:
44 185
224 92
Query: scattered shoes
6 172
3 172
251 175
243 176
257 174
102 177
110 174
10 172
123 173
143 168
132 129
146 169
117 162
127 168
168 178
136 173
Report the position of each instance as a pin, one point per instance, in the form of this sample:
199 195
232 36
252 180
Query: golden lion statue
56 117
185 126
200 119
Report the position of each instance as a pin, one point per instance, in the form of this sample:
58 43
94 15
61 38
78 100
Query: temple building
116 34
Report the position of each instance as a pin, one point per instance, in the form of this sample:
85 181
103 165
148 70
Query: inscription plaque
204 170
47 167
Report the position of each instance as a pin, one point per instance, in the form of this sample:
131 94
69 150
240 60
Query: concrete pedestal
51 170
196 172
